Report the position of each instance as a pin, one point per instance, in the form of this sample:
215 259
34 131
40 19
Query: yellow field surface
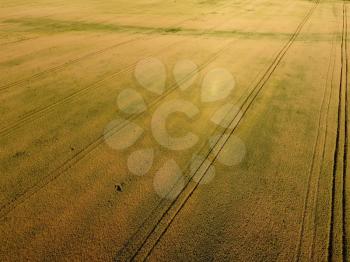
174 130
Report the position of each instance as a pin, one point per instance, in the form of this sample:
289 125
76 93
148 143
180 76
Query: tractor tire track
40 112
160 226
340 159
7 207
43 111
321 164
346 137
310 200
61 67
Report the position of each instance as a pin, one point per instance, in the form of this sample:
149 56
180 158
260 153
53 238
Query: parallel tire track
340 157
40 112
59 68
162 224
7 207
19 41
56 69
323 156
320 138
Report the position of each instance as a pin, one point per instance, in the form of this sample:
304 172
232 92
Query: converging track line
320 138
340 157
323 156
59 68
145 249
7 207
40 112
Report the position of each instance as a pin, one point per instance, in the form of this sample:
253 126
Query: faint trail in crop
18 41
59 68
310 200
40 112
56 69
7 207
325 135
178 203
28 38
340 154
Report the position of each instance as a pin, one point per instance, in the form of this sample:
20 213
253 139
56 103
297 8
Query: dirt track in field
174 130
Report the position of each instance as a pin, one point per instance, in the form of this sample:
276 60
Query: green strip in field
47 25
